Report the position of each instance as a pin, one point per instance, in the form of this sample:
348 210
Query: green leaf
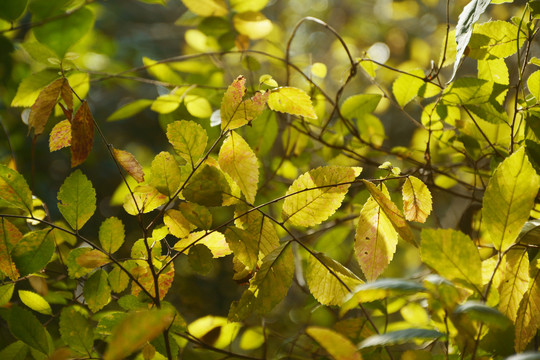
243 245
452 254
417 203
317 194
25 327
6 291
407 87
479 311
356 106
291 101
111 234
12 10
72 28
14 351
118 279
207 7
253 24
514 283
76 331
336 345
238 160
391 211
375 240
129 110
178 225
35 302
260 227
166 174
533 83
207 187
329 282
215 241
400 337
508 200
9 238
494 70
188 139
33 251
77 199
198 215
494 40
75 270
200 259
97 292
464 28
147 199
14 191
198 106
528 315
29 89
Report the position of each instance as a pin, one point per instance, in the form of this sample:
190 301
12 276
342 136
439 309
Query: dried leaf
82 135
130 164
60 136
44 105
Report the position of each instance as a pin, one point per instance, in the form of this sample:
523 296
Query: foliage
340 199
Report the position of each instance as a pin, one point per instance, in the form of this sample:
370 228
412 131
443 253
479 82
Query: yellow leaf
514 284
337 345
291 101
60 136
215 241
9 237
417 202
93 259
528 315
35 302
253 24
178 225
130 164
207 7
147 198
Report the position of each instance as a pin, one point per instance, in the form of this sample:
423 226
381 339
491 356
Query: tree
305 195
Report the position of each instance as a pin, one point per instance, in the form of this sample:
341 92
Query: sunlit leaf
135 330
508 200
336 345
198 106
253 24
31 86
76 331
97 292
494 40
417 203
44 105
400 337
528 315
130 109
178 225
9 237
236 112
260 227
533 83
317 194
244 246
452 254
376 239
188 139
478 311
147 198
215 330
198 215
494 70
329 281
407 87
6 291
60 136
118 279
207 7
144 275
207 187
77 199
35 302
515 283
74 269
34 251
111 234
129 163
215 241
14 191
82 134
166 174
238 160
93 259
25 327
356 106
291 101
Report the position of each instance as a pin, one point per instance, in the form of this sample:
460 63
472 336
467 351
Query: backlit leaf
391 211
25 327
118 279
9 237
188 139
178 225
494 70
198 215
147 198
129 163
253 24
356 106
215 241
14 191
93 259
143 274
479 311
198 106
135 330
494 40
417 203
533 83
329 281
76 331
74 269
166 175
238 160
235 111
33 251
207 187
376 239
77 199
317 194
243 245
400 337
60 136
6 291
97 292
260 227
111 234
291 101
44 105
35 302
31 86
508 200
528 315
336 345
207 7
406 87
130 109
452 254
514 284
82 134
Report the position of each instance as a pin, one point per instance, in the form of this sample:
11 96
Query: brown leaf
60 136
93 259
44 105
67 95
130 164
82 135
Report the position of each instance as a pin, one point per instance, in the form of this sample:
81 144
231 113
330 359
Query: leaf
207 7
25 327
93 259
129 163
200 259
9 238
12 10
478 311
356 106
238 160
269 285
329 282
236 112
72 28
144 275
291 101
338 346
74 269
178 225
135 330
35 302
6 292
508 200
514 284
253 24
96 291
44 105
494 40
15 351
452 254
391 211
118 279
317 194
400 337
31 86
198 215
111 234
533 83
260 227
188 140
33 251
215 241
198 106
130 109
243 245
82 134
147 199
464 28
528 315
407 87
375 240
494 70
76 331
417 203
14 191
166 175
60 136
207 187
77 199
